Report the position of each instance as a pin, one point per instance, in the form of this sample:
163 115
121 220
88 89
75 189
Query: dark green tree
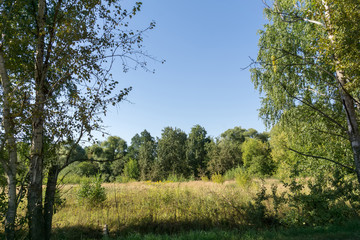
256 157
223 155
196 151
147 155
171 152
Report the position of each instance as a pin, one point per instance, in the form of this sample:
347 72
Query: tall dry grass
159 207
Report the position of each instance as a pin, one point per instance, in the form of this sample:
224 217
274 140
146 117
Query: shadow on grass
143 228
77 232
194 230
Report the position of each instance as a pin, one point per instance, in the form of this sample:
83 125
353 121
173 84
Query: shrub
217 178
204 178
176 178
131 169
124 179
242 177
91 193
332 199
231 174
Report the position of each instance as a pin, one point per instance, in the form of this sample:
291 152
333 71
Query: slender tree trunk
10 168
49 199
35 203
353 126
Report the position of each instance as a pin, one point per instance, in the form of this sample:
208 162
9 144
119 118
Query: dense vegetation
175 155
56 85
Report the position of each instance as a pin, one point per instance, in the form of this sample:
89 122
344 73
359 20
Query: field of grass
156 207
193 210
186 210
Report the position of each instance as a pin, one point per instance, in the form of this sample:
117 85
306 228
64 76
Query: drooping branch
324 158
314 108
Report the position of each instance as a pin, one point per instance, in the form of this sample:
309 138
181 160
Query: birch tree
55 63
308 70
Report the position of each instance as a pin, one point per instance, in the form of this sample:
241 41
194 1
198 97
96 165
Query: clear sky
205 43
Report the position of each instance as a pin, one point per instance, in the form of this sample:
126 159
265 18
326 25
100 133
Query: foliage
217 178
171 152
131 169
256 157
242 177
223 154
305 68
147 155
331 199
86 169
231 174
91 193
3 206
196 151
176 178
124 179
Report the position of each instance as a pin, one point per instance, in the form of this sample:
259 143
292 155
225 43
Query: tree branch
324 158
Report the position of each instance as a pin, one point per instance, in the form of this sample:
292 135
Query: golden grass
159 205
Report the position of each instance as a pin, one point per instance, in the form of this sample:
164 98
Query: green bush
176 178
231 174
332 199
91 193
204 178
242 177
131 169
217 178
124 179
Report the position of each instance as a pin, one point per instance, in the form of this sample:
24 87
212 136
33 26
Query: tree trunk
35 203
353 126
9 167
49 199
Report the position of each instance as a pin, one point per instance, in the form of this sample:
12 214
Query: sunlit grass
157 207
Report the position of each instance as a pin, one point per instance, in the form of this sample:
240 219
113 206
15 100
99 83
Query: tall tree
195 150
58 56
147 155
256 157
171 151
307 69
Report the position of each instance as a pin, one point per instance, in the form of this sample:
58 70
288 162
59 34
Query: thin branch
330 133
314 108
324 158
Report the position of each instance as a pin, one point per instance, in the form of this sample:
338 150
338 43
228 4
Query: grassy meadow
185 210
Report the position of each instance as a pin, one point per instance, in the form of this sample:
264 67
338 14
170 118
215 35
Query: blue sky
205 43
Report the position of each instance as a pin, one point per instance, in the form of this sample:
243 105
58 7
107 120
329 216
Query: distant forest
175 154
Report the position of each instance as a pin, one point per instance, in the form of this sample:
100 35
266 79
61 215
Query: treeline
176 153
